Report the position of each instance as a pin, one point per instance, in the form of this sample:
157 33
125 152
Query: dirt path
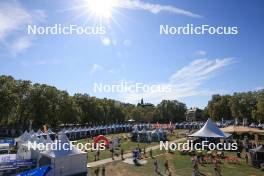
128 155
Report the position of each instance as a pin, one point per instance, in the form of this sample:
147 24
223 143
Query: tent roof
48 140
143 131
258 149
209 129
39 133
161 130
50 131
34 138
242 129
32 132
24 137
59 152
42 140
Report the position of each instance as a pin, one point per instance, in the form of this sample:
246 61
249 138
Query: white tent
64 162
40 133
25 150
23 138
209 130
32 132
48 140
50 132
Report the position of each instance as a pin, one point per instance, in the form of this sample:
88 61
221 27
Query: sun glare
101 8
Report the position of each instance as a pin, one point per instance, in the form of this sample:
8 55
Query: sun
101 8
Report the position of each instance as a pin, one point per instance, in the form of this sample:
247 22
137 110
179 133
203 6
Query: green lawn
127 145
180 165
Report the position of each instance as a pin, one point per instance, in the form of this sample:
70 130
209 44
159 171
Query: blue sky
133 50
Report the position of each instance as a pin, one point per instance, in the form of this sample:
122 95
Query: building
193 114
142 104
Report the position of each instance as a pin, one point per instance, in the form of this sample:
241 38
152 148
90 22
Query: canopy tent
209 130
257 155
35 138
23 138
62 139
48 140
51 132
135 130
242 129
158 135
42 140
32 132
27 152
258 149
40 133
144 136
64 162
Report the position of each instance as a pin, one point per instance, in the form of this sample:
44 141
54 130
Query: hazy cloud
186 82
259 88
40 62
13 18
155 8
201 53
95 68
20 44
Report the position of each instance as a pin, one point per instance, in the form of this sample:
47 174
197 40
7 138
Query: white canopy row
97 128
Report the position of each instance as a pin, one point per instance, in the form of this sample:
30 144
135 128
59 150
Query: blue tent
42 171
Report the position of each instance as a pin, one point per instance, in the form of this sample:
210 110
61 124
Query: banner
5 158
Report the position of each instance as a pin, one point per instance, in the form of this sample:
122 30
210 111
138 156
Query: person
195 165
166 165
140 155
170 174
112 152
217 168
156 166
103 171
95 155
246 158
238 154
96 172
122 154
150 153
98 154
144 152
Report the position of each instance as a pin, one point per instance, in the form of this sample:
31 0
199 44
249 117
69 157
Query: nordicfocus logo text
59 29
190 145
205 29
100 142
65 146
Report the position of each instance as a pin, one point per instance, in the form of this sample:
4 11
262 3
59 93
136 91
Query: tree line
22 103
248 105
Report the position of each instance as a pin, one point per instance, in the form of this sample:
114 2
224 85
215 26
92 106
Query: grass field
126 144
180 165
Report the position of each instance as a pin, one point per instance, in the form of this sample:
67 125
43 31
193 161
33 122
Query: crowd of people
198 160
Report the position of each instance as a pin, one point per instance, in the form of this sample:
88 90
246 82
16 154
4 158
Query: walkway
127 155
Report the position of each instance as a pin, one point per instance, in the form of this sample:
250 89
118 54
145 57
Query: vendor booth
257 156
64 162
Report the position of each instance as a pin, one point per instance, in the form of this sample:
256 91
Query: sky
132 50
